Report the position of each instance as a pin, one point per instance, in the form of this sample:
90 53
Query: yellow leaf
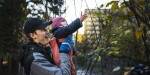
114 6
138 34
80 38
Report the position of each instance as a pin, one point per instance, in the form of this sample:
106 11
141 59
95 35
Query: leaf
114 42
127 32
99 58
101 5
109 3
138 34
114 6
99 14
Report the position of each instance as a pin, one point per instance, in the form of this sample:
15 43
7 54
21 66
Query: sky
74 9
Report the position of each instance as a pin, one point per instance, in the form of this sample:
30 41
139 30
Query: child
66 45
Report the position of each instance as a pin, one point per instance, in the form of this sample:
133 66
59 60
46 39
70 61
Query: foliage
12 15
123 33
45 8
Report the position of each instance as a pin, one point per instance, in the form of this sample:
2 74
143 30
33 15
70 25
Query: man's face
40 36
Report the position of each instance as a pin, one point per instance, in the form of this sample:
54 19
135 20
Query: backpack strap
55 51
73 67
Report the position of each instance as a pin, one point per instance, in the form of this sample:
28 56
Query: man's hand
83 17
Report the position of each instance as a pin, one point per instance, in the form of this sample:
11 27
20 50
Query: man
36 58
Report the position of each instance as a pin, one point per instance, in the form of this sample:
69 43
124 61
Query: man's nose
49 35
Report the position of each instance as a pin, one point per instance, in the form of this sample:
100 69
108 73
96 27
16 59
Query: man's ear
32 35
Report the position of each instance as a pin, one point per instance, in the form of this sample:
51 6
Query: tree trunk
12 15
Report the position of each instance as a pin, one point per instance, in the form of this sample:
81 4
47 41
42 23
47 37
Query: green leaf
114 6
109 3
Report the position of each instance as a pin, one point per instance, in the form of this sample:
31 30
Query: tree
12 16
47 8
123 34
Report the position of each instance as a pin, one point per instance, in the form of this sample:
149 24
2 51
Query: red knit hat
56 22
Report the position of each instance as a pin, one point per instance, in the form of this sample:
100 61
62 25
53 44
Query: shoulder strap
55 51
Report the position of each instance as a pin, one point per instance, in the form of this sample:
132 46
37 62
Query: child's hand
83 17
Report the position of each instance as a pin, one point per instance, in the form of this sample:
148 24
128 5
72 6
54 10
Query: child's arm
71 28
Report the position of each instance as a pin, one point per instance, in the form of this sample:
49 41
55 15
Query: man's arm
41 66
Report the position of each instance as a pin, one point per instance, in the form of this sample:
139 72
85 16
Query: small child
68 44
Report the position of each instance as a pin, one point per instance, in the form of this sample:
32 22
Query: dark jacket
67 30
36 59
